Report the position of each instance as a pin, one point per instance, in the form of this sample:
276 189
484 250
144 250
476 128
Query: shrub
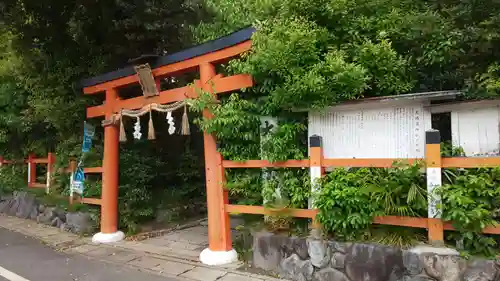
350 198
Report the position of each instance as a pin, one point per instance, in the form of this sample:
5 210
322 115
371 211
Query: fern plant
400 191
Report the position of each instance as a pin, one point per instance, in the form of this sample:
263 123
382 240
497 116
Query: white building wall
476 130
381 131
397 130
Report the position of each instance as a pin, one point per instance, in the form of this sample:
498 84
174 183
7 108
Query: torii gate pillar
220 250
109 206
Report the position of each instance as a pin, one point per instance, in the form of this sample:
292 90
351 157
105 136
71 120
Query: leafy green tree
47 47
400 46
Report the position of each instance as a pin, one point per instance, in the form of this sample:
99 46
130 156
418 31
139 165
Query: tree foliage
47 47
385 47
52 45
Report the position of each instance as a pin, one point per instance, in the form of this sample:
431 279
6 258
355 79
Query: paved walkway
26 259
171 255
184 243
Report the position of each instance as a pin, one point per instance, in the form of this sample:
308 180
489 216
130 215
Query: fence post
31 169
433 167
316 168
1 161
72 169
51 160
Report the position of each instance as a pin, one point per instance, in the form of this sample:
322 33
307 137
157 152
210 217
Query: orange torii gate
203 58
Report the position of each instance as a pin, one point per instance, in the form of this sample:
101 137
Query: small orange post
51 157
109 207
220 249
1 161
31 169
316 168
433 165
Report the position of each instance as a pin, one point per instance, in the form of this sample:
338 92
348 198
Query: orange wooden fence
50 161
317 163
433 160
32 161
90 170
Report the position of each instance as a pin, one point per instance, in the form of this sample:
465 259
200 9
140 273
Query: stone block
82 249
79 222
173 268
412 263
373 263
300 247
56 222
296 269
481 270
338 260
266 252
12 207
424 249
329 274
179 253
47 216
146 262
443 268
21 204
204 274
182 246
318 252
338 246
417 278
235 277
122 256
5 202
101 252
26 204
34 214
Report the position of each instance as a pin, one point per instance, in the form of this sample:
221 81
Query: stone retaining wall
309 259
25 205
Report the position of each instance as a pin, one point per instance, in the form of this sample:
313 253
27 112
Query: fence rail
446 162
266 164
317 164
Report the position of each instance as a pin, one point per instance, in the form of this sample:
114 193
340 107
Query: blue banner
88 135
79 176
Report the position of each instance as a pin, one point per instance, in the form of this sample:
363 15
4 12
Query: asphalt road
25 259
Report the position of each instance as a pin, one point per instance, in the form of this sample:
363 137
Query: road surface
25 259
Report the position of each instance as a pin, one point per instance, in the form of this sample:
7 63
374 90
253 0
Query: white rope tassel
171 124
137 129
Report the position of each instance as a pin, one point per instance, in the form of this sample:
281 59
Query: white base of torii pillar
104 238
210 257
